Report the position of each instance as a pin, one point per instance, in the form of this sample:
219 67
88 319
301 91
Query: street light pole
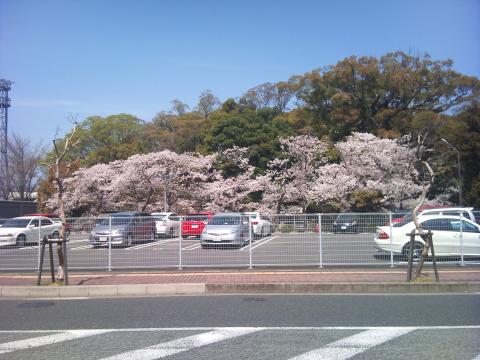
459 173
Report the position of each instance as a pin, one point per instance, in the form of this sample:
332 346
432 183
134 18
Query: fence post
110 243
391 239
250 242
320 240
39 246
180 246
462 261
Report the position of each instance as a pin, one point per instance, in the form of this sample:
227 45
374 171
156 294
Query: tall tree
24 163
207 103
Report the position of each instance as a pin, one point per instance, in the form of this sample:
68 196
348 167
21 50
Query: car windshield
345 218
225 220
115 221
196 218
403 221
16 223
253 216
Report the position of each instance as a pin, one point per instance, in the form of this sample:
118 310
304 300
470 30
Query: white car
167 224
28 229
446 236
261 226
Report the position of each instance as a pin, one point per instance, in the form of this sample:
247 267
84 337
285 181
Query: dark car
123 228
346 223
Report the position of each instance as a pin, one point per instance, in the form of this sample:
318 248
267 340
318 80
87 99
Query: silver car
226 229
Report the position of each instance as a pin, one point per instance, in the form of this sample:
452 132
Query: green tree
367 94
107 139
257 130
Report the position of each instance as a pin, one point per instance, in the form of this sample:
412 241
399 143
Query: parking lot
278 249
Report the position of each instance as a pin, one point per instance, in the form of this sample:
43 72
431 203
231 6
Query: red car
193 224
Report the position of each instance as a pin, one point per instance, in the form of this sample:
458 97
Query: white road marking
259 243
141 246
184 344
48 340
350 346
82 247
209 328
192 247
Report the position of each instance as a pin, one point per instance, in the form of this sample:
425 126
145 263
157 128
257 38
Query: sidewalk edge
98 291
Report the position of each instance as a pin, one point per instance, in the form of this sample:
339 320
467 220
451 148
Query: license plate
194 226
103 238
344 228
217 238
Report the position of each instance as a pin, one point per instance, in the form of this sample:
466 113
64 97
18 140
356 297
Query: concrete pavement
360 280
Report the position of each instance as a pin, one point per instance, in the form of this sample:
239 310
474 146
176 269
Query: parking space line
82 247
183 344
192 247
260 243
141 246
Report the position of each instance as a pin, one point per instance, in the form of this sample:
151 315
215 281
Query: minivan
123 228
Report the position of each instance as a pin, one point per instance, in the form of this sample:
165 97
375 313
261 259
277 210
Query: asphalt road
298 249
244 327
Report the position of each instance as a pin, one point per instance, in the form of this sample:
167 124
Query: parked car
467 213
167 224
124 228
446 236
261 226
193 224
226 229
23 230
346 223
55 218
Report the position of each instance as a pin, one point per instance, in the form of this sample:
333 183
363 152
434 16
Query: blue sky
106 57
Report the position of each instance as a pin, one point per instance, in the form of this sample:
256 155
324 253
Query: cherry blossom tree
293 174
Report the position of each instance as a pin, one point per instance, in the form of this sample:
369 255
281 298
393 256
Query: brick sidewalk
242 276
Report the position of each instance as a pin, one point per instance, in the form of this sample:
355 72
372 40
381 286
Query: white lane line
48 340
350 346
184 344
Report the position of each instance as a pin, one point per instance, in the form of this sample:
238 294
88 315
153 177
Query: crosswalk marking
47 340
353 345
184 344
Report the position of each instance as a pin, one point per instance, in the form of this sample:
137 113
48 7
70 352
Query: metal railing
310 240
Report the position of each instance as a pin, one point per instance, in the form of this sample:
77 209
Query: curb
106 291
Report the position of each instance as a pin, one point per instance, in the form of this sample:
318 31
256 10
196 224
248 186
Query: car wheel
129 239
417 250
152 236
171 233
21 240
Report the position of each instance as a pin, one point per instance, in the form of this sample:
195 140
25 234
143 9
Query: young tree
61 167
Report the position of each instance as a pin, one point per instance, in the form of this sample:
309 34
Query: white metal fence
319 240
